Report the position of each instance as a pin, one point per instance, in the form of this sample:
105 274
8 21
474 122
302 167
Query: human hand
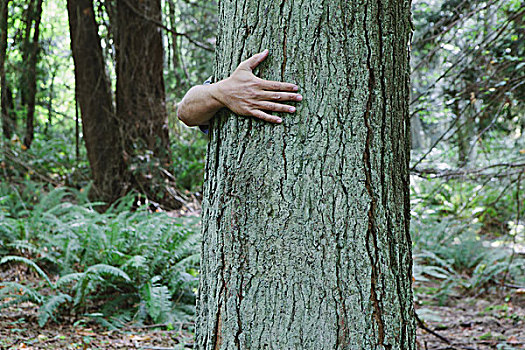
247 95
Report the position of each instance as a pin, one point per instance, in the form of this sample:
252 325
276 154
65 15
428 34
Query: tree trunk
7 122
33 50
417 132
26 43
100 127
306 225
175 45
141 100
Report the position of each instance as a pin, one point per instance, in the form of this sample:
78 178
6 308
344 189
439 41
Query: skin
243 93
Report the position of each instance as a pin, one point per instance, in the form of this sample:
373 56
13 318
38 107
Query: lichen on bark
305 224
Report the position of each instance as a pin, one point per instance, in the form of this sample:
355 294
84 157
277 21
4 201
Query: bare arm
243 93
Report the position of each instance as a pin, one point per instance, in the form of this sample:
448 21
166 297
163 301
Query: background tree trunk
141 104
141 99
100 127
7 122
306 225
32 61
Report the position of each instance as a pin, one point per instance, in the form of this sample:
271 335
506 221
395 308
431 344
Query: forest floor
486 322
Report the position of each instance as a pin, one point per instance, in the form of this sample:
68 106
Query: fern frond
28 262
18 291
49 307
103 269
72 277
137 262
158 301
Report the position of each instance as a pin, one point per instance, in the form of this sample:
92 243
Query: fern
30 263
102 269
47 310
113 260
18 293
158 300
137 262
67 279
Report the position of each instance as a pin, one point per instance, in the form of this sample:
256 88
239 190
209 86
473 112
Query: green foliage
28 262
143 262
189 150
451 254
50 307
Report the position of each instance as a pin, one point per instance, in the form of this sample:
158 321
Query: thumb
252 62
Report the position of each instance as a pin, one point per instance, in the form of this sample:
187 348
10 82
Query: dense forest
111 212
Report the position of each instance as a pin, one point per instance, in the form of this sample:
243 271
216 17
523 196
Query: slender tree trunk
100 127
175 44
141 100
7 123
50 101
26 43
417 133
31 77
306 225
77 128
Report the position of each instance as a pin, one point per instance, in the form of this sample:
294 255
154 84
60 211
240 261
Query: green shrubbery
117 267
457 247
189 151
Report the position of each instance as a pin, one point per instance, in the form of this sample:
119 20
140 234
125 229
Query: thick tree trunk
141 104
7 122
306 224
100 127
31 76
141 99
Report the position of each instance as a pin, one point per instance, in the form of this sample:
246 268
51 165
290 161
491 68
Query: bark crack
371 231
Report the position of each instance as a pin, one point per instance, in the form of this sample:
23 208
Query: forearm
243 93
199 105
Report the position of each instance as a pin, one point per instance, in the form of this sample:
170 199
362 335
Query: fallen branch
464 172
424 327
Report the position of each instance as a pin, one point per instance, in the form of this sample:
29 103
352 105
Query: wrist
217 93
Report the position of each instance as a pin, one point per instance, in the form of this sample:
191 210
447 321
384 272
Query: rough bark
306 225
100 127
33 50
7 122
141 104
141 99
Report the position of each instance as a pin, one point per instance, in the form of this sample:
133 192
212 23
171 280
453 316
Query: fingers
252 62
273 107
278 86
280 96
276 107
266 117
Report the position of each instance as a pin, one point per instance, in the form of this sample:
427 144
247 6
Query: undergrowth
117 267
457 248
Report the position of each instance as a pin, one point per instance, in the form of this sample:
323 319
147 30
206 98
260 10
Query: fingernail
296 88
279 120
292 109
299 98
